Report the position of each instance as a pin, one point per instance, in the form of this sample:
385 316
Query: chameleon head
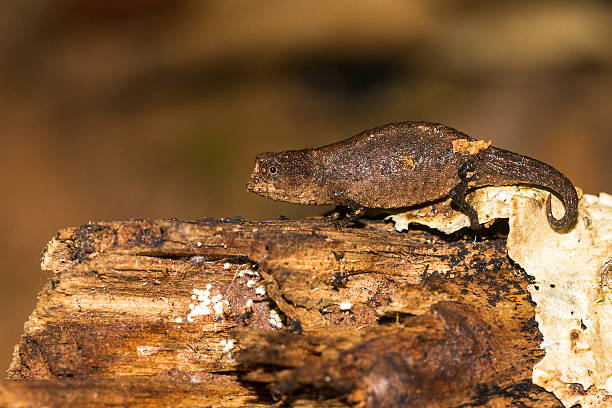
285 176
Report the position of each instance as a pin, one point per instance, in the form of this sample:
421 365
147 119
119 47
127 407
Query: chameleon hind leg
457 195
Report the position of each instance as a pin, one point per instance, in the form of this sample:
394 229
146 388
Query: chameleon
401 165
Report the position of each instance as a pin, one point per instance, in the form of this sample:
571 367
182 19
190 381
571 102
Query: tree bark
312 313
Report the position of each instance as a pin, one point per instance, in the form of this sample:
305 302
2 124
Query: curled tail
502 167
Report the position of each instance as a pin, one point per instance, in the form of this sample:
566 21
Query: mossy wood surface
370 317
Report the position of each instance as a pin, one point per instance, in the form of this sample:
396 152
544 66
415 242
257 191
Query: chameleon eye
272 170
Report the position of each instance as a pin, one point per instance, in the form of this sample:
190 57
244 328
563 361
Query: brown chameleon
403 164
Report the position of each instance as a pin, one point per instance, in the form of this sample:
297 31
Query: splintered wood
311 313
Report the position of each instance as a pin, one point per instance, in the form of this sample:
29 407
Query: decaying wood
371 317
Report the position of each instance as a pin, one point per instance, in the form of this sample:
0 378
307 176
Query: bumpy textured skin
400 165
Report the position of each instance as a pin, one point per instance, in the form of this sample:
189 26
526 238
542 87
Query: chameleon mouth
251 186
256 185
262 188
266 189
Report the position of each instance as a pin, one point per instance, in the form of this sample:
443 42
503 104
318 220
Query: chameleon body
404 164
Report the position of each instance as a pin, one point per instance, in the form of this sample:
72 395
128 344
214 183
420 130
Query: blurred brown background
114 109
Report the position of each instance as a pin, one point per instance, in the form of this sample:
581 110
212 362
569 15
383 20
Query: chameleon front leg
457 195
356 210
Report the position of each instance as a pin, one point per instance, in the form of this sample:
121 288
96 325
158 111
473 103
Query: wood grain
433 321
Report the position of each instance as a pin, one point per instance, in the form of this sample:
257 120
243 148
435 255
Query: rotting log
312 313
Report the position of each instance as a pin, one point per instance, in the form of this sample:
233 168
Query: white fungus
275 319
228 346
346 306
248 271
203 308
218 308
